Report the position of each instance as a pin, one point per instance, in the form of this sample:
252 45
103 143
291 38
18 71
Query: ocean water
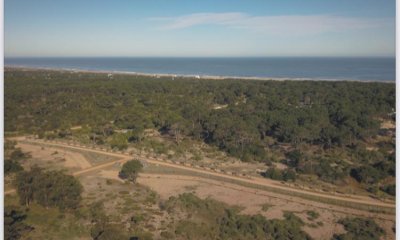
316 68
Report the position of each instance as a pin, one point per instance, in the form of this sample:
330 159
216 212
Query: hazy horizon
199 57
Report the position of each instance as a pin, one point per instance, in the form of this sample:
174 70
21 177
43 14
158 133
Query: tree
130 170
50 188
54 188
25 185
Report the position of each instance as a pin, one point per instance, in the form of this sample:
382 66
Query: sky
207 28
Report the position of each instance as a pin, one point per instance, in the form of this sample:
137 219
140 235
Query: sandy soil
250 199
56 155
388 124
109 174
254 180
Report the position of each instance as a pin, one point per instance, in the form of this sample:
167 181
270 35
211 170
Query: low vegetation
359 229
14 223
210 219
282 175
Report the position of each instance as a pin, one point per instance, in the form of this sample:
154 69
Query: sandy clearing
231 193
252 201
72 159
222 191
253 180
109 174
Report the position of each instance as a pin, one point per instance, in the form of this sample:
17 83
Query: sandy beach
179 76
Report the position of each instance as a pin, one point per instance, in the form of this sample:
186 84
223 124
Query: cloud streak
285 24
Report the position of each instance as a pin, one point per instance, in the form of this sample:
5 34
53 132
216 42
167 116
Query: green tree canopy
48 188
130 170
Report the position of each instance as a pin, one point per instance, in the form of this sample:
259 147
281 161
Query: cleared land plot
251 201
123 199
353 201
54 158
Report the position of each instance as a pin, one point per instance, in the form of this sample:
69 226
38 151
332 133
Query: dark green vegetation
359 229
48 188
130 170
276 174
322 128
14 225
13 158
209 219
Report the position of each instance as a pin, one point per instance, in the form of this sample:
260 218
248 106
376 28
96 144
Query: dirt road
122 157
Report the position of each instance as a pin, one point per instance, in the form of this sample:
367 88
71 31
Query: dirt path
256 181
154 181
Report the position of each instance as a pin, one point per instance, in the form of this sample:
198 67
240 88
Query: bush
312 215
119 141
359 229
366 174
389 189
14 226
11 166
276 174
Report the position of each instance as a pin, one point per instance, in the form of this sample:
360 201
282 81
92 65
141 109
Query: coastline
186 76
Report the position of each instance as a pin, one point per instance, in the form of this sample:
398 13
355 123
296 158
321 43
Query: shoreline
187 76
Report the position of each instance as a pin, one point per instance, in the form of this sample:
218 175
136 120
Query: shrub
14 226
389 189
11 166
276 174
359 229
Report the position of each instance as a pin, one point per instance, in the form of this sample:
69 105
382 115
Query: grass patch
312 215
266 206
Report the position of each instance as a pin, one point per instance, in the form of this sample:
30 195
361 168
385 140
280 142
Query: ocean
314 68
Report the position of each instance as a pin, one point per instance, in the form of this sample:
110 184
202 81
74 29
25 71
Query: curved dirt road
253 180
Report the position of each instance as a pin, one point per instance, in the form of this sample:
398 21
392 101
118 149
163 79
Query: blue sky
200 28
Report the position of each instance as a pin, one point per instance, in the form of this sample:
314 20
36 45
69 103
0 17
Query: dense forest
310 120
332 130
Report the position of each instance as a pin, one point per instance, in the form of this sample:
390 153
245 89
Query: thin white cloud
200 19
287 24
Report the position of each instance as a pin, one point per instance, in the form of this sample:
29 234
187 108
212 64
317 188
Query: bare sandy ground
173 76
254 180
109 174
250 199
388 124
49 154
